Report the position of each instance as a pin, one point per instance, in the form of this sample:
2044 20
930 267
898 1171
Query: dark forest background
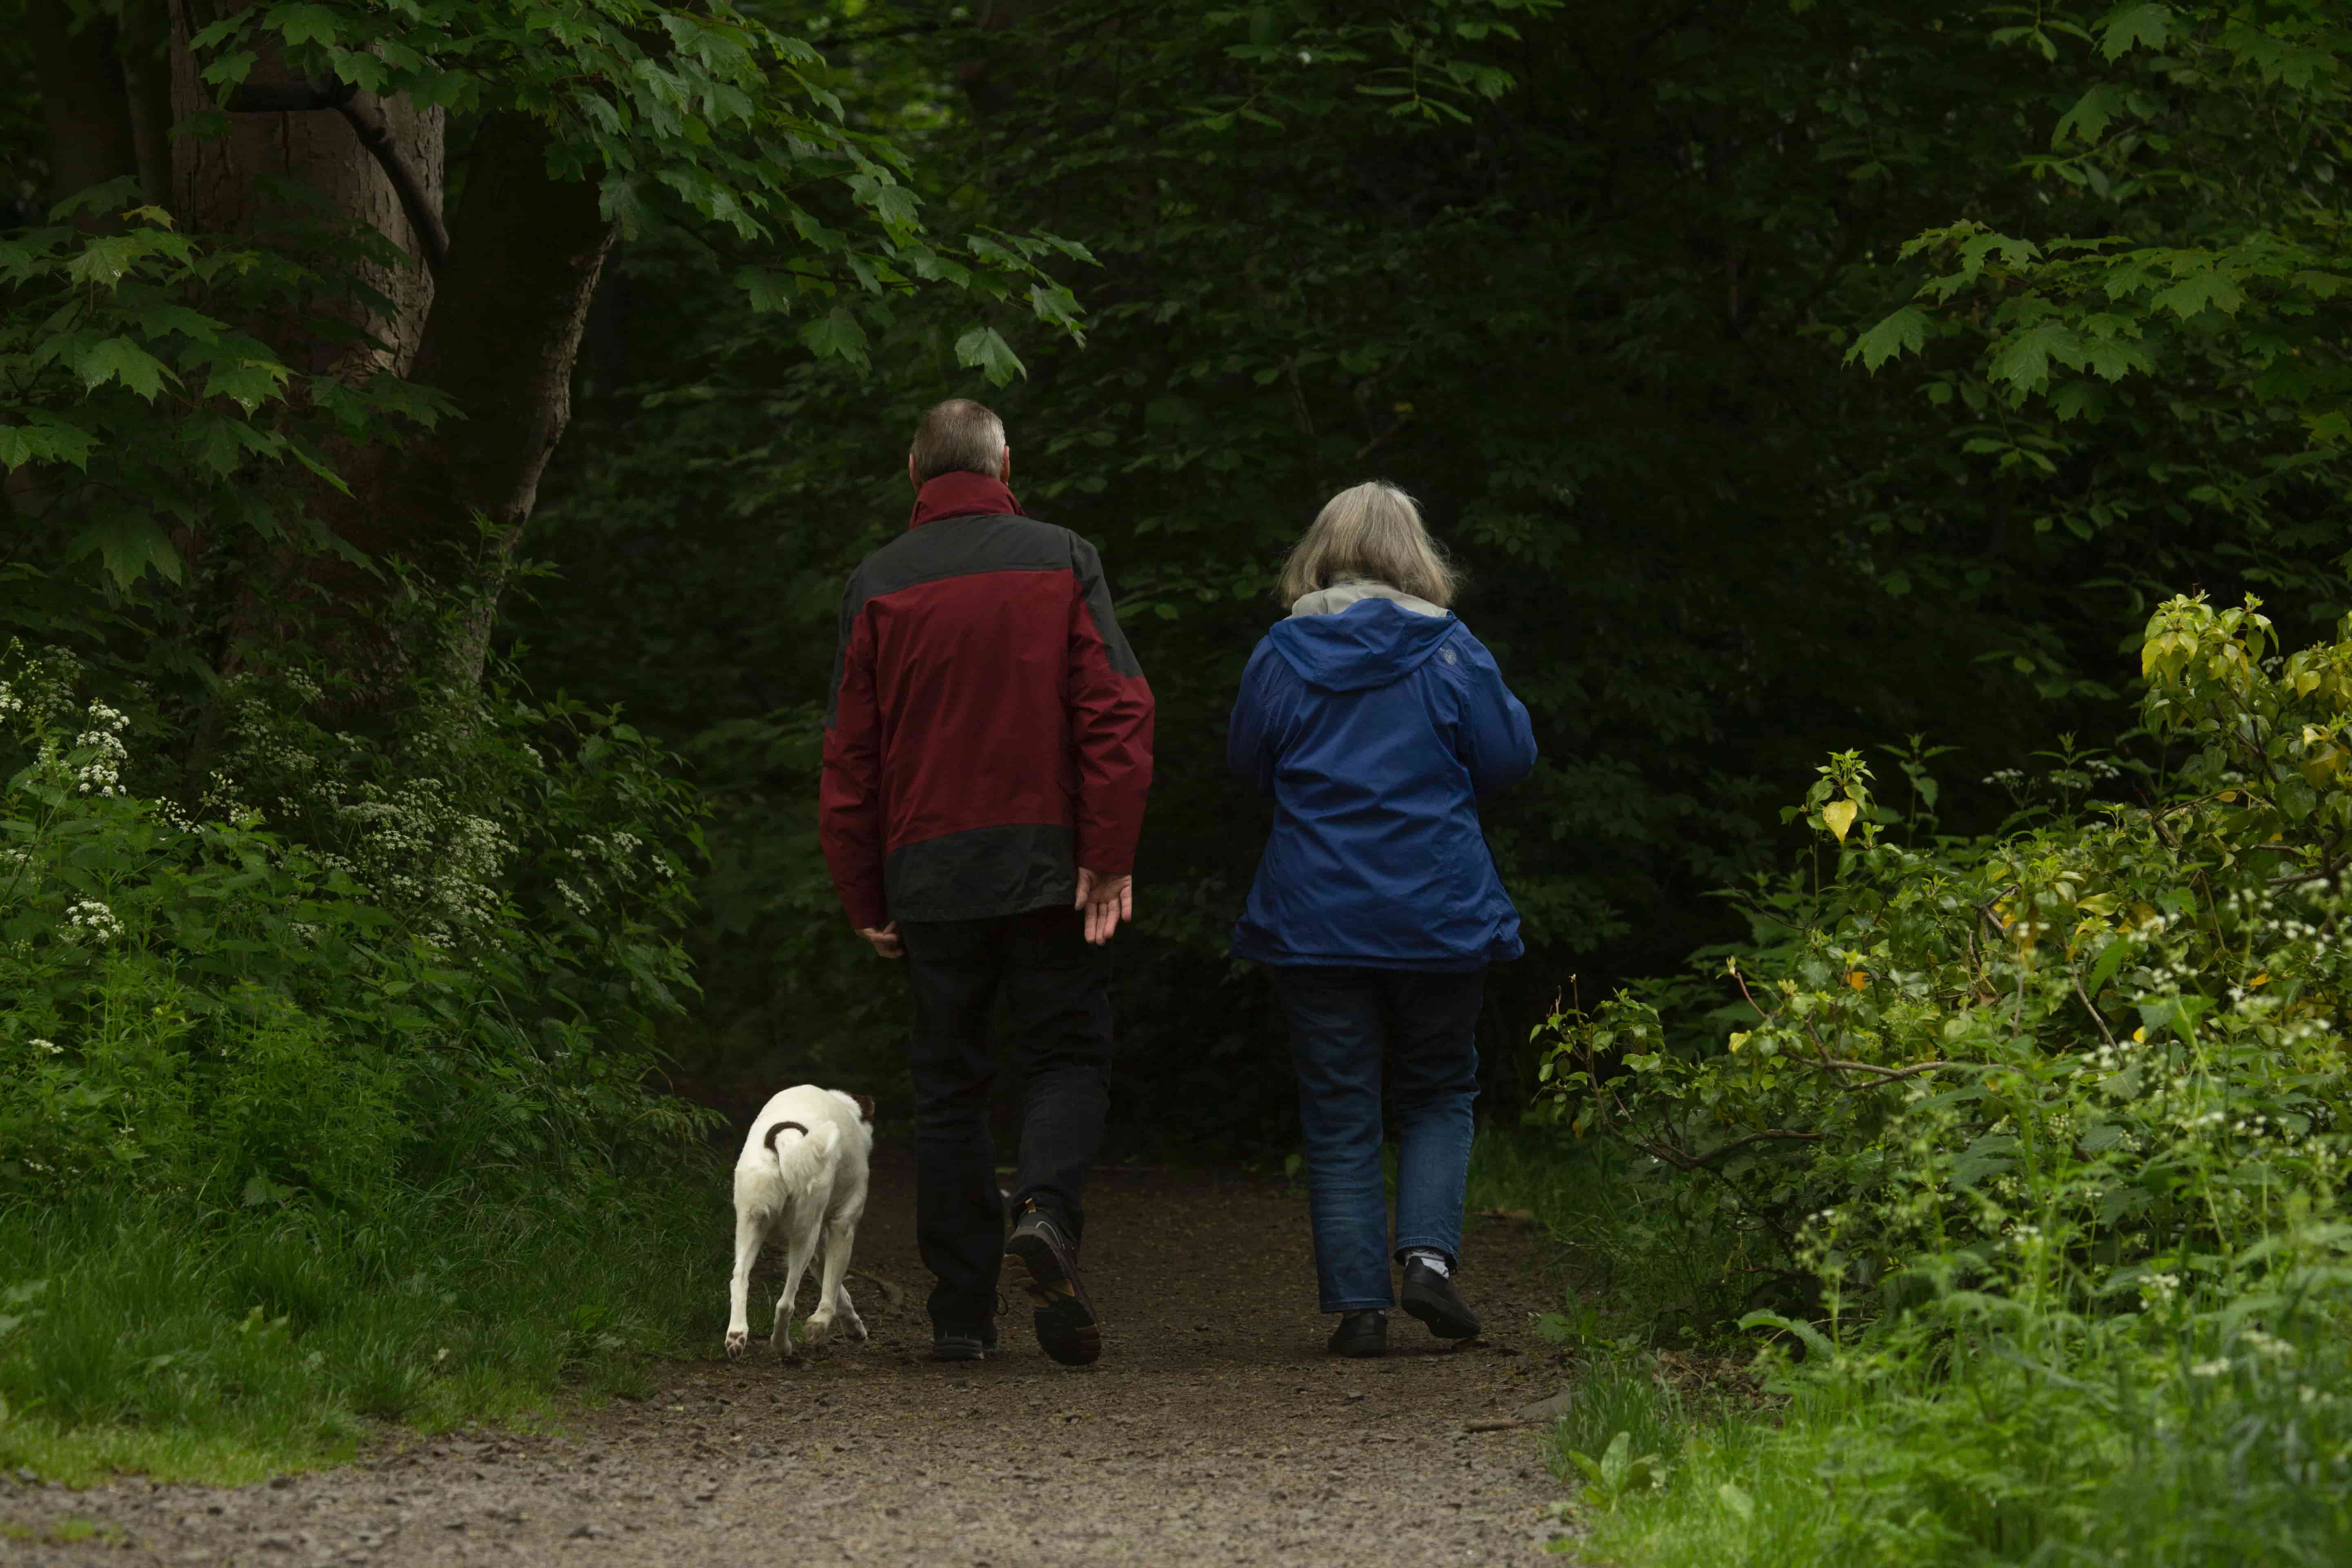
588 413
1585 281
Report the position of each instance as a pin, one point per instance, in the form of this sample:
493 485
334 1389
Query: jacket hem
1277 960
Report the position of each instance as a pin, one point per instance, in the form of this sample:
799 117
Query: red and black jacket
990 731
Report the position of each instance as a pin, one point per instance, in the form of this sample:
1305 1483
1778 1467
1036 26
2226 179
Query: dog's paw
857 1331
815 1331
738 1340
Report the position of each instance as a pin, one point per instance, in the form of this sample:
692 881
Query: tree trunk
498 332
218 186
84 99
524 257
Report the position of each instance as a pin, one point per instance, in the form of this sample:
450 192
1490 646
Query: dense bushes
438 952
2102 1050
2036 1143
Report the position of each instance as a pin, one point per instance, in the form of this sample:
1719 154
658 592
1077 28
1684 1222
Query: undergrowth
326 1070
226 1345
2028 1153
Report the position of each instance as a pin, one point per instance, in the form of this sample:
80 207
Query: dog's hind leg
833 1296
797 1252
751 1230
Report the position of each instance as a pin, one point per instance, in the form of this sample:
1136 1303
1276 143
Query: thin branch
1681 1162
2075 975
1894 1075
1741 980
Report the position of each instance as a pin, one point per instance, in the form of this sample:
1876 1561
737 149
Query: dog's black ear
864 1106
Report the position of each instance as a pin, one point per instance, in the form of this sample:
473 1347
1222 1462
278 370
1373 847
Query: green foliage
2041 1138
2045 1065
407 971
684 116
2182 350
143 416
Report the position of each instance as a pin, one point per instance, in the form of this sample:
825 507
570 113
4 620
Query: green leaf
2087 121
1814 1340
983 348
249 383
836 335
2207 290
47 442
1903 332
2141 22
2110 959
119 359
131 546
2024 361
304 24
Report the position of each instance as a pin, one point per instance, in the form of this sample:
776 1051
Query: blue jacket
1375 727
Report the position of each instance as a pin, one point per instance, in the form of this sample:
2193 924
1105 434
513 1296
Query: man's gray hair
959 437
1371 532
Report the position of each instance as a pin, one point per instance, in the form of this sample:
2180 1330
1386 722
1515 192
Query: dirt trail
1214 1431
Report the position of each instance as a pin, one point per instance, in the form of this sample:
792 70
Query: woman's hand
1106 901
885 939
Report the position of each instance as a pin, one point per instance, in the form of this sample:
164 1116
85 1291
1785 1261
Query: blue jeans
1346 1025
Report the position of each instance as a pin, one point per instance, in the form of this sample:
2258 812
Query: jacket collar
1337 599
962 495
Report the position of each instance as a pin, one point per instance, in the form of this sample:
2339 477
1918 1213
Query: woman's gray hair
1370 533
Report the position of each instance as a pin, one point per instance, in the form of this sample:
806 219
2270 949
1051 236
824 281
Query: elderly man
987 752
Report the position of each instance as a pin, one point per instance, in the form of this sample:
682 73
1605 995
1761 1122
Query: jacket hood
1356 635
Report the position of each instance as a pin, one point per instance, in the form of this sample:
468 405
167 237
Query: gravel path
1214 1431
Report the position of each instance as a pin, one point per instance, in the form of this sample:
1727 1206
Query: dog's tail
801 1155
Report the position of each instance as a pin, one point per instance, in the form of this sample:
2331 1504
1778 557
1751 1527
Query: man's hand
1106 901
885 940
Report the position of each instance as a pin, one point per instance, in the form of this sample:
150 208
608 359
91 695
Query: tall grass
2236 1459
228 1345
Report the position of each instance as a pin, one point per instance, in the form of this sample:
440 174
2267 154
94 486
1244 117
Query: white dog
803 1168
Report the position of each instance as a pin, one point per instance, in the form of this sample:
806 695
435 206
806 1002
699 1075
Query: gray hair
958 436
1371 532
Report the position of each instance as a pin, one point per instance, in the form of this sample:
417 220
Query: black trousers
1056 994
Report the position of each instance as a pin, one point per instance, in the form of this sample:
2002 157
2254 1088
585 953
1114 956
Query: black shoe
1431 1297
1045 1263
947 1346
1363 1333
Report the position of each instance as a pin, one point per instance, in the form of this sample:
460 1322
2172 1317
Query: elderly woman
1375 720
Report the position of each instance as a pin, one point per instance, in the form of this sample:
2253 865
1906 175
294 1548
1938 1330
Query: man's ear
1003 465
912 477
864 1106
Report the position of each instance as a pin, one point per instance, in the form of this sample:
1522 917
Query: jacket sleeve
849 795
1497 742
1110 713
1249 738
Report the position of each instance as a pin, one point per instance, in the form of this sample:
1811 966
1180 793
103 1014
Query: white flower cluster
102 773
416 849
2269 1345
2157 1289
91 919
46 1047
